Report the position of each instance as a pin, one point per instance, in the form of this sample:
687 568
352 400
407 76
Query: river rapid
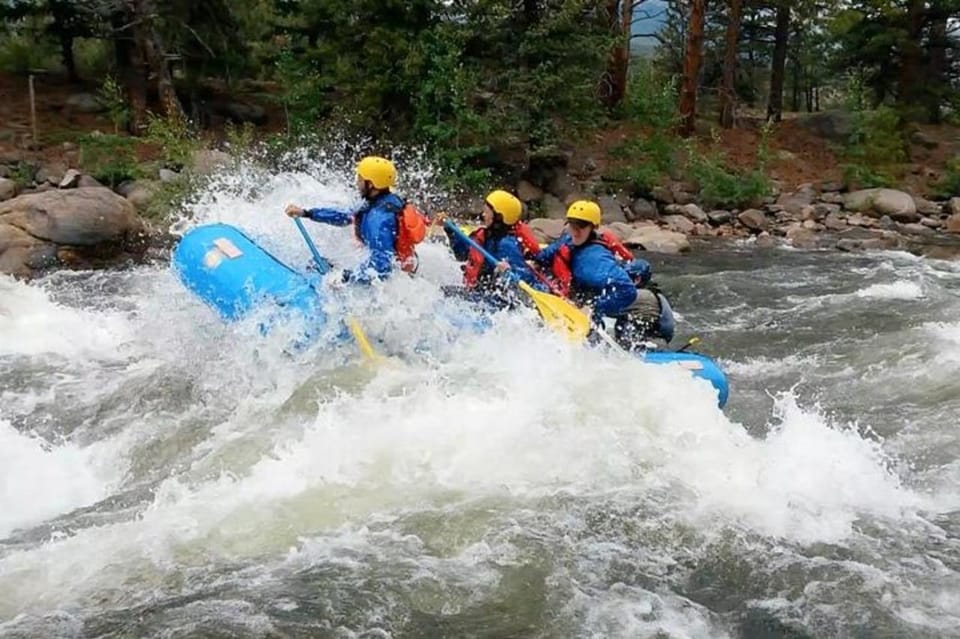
165 475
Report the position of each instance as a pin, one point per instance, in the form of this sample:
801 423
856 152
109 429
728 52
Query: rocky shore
59 217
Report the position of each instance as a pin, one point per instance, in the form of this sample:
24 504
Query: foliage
173 136
111 159
111 96
876 145
723 187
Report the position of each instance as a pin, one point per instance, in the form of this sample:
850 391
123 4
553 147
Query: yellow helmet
508 206
586 211
380 172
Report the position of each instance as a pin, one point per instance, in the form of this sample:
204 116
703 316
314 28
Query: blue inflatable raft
234 276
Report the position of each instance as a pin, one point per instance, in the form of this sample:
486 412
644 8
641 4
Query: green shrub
111 159
172 134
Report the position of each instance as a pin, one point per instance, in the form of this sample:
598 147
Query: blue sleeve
334 217
511 252
381 247
459 247
545 256
614 299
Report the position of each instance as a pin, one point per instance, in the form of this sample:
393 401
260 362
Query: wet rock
915 228
754 219
765 240
96 222
802 238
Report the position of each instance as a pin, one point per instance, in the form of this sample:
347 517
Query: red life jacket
474 266
561 270
411 230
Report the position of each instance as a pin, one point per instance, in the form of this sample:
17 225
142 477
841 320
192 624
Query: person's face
579 231
362 186
487 215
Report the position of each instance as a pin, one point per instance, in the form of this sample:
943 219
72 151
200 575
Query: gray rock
682 197
694 213
662 195
831 198
140 192
834 222
679 223
931 222
811 225
21 253
802 238
953 206
621 229
166 175
754 219
86 180
926 207
8 189
830 187
765 240
641 209
50 173
915 228
611 209
70 179
879 202
858 233
546 230
552 207
794 203
657 240
953 223
527 192
719 217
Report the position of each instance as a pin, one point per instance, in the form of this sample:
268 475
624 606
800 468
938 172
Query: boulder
641 209
931 222
953 206
87 180
834 222
719 217
611 210
527 192
953 223
754 219
915 228
802 238
679 223
794 203
8 189
139 193
879 202
552 207
621 229
167 175
546 230
662 194
657 240
694 213
70 179
765 240
926 207
94 221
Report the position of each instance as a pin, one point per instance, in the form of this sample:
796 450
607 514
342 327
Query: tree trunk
781 35
619 13
691 68
938 67
154 55
911 55
130 72
728 94
795 72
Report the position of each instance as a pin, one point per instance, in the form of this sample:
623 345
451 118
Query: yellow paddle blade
559 314
362 340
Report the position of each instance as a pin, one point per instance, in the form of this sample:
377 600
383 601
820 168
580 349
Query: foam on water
302 453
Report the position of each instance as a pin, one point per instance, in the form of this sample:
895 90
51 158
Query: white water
277 463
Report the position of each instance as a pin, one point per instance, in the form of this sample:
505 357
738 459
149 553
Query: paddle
362 342
558 313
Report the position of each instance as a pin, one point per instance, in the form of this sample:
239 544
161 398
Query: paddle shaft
320 262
